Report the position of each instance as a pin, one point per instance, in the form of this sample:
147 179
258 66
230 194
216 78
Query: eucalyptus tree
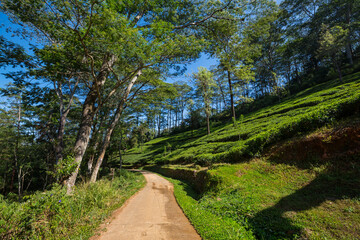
205 84
269 39
332 42
345 14
301 23
184 94
229 42
115 41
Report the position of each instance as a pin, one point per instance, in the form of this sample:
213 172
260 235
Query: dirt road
151 214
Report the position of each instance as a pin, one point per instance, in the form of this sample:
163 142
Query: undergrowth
55 215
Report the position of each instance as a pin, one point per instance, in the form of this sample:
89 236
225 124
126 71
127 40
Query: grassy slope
262 199
266 199
301 113
281 201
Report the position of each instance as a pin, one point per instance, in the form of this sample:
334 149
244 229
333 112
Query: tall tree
229 42
114 41
332 41
205 84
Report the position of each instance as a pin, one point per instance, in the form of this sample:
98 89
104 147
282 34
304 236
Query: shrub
55 215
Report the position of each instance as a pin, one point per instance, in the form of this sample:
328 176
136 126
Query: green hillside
280 184
299 114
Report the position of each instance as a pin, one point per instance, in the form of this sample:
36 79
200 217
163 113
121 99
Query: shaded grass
209 225
279 201
55 215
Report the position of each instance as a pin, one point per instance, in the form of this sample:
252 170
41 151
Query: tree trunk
338 69
349 53
169 122
95 137
159 123
208 123
176 118
59 147
110 130
92 157
18 166
231 97
120 156
19 183
86 122
182 116
222 93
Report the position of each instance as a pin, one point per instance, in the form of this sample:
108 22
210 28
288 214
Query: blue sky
203 61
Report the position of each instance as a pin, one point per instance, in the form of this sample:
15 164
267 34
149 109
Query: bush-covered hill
301 113
294 172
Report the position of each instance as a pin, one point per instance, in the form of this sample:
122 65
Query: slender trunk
120 156
18 167
59 147
110 130
231 97
12 179
86 122
93 154
182 115
5 180
95 146
208 123
169 120
19 182
159 123
338 69
178 118
92 157
222 93
349 53
207 112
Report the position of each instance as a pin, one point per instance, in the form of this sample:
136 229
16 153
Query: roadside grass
297 115
55 215
268 200
208 224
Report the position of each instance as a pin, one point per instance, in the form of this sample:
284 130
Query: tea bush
296 115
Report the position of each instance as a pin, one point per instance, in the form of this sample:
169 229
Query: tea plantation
249 193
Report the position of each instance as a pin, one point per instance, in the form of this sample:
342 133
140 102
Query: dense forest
94 84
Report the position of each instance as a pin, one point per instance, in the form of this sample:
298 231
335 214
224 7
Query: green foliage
205 84
64 168
293 116
332 41
55 215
